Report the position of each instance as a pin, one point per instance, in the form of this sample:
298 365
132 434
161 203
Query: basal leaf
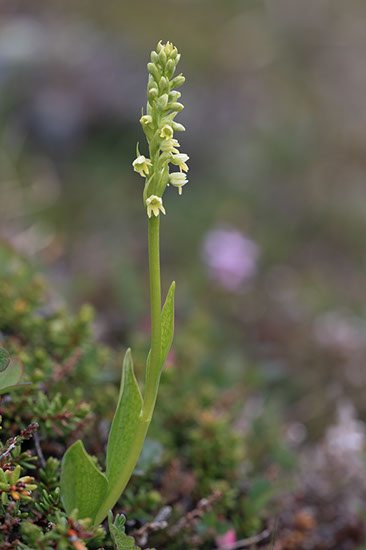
125 421
83 486
126 437
121 541
128 429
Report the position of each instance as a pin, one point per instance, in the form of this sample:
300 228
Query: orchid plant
83 486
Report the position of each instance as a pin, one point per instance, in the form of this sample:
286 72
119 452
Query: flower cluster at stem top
159 127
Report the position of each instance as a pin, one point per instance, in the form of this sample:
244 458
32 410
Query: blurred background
267 242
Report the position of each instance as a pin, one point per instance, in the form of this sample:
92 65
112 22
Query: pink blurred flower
226 542
231 258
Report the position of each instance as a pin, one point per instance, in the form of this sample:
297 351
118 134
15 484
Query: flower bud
162 102
153 70
178 127
170 68
169 48
174 53
162 58
176 106
154 57
174 95
164 84
177 81
151 83
152 94
159 47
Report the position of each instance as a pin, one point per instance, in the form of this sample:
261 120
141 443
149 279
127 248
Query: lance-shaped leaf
126 437
83 486
125 421
121 541
167 333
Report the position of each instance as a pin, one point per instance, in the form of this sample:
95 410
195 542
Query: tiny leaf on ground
121 541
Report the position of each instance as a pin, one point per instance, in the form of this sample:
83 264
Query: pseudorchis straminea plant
83 486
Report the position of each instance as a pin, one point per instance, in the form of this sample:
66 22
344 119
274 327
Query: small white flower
180 160
154 204
146 120
169 146
141 165
166 131
178 179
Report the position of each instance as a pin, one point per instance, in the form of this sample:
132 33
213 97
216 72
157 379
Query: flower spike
159 126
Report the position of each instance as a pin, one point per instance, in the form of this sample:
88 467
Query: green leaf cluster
83 486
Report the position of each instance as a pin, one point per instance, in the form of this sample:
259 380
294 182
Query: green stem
155 302
150 390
